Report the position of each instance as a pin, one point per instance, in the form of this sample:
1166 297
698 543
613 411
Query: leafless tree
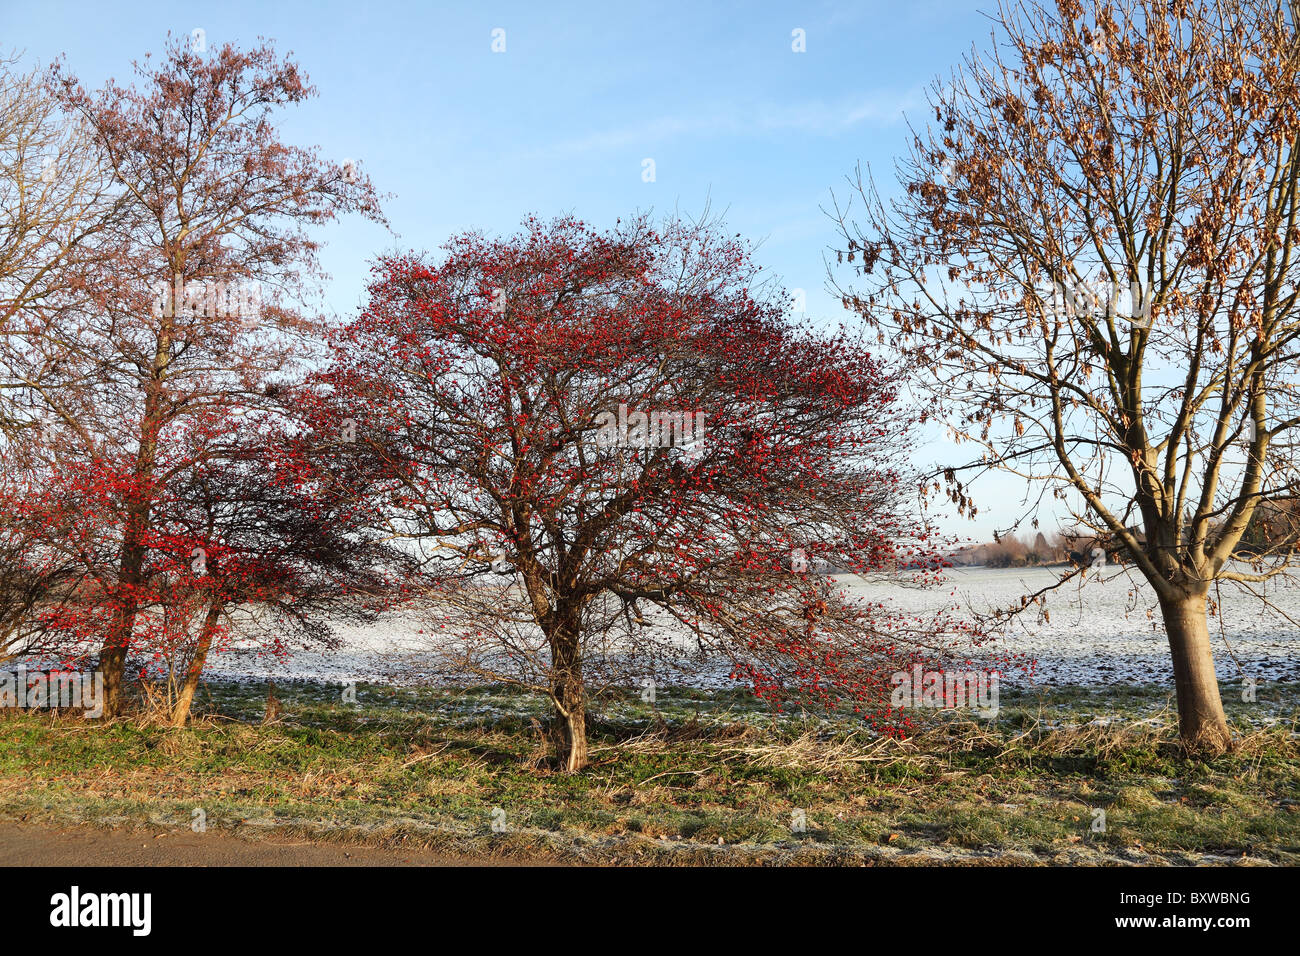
1094 257
56 211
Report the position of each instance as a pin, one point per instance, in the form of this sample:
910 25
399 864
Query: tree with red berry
615 451
200 311
271 541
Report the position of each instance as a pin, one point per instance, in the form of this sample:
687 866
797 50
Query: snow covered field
1099 631
1096 632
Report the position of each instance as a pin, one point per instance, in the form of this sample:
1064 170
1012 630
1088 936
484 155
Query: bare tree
56 208
1094 257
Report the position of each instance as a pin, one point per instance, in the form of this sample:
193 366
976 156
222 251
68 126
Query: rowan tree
1093 259
615 451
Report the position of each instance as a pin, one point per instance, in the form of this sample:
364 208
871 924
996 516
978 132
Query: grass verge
701 777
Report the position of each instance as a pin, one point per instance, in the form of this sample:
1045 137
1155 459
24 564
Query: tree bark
112 656
1201 721
112 664
181 712
569 696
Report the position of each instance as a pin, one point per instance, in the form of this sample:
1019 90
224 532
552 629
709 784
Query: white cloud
817 117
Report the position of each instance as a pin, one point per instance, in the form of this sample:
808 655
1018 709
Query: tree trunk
112 656
1201 721
572 722
569 697
112 664
181 712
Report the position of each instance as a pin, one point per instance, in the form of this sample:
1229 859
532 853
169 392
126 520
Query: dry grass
670 784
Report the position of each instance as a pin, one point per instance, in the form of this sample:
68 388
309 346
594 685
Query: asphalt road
35 844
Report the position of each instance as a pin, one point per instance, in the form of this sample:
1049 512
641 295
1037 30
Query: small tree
268 541
275 539
611 449
1095 259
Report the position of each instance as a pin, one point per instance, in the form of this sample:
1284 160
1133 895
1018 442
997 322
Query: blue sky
563 119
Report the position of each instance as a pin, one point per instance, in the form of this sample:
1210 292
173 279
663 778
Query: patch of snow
1095 632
